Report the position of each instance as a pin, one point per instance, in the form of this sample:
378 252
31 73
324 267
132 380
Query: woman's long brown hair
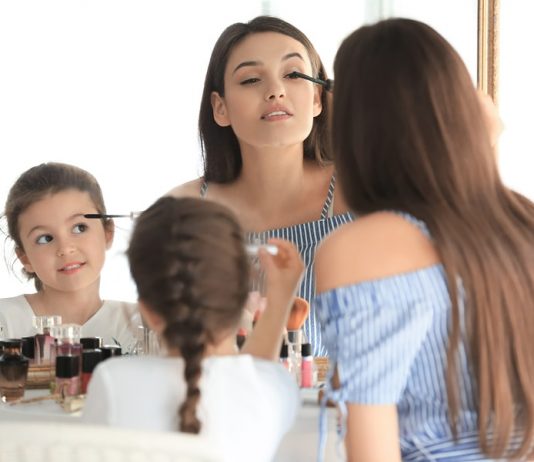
409 135
188 261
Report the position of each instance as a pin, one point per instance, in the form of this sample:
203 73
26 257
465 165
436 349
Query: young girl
63 252
426 299
188 260
266 142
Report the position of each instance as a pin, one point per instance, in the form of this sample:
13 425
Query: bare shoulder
189 189
372 247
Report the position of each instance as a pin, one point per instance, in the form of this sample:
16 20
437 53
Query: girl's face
63 248
264 107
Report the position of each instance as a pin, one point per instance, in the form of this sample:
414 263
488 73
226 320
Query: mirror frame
488 47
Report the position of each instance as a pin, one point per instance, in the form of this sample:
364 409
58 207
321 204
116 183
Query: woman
427 298
266 142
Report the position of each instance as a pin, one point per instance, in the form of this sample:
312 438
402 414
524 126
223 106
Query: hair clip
327 84
131 215
252 249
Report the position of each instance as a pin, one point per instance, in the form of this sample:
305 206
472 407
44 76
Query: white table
300 444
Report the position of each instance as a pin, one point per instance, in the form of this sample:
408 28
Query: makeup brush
299 313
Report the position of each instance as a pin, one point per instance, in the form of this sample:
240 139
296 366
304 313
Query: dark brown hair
188 261
409 135
220 147
39 181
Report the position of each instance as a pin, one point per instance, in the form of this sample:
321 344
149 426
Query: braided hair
188 261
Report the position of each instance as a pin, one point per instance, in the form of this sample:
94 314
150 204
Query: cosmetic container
294 342
110 350
68 375
44 341
67 339
28 348
90 359
90 343
284 357
13 370
307 367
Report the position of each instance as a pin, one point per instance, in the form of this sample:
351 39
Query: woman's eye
79 228
250 81
44 239
292 75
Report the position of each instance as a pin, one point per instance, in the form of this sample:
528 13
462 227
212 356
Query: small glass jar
90 359
13 370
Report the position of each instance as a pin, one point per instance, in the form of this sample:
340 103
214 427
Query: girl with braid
188 260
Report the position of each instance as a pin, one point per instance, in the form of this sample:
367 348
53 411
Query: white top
246 404
114 320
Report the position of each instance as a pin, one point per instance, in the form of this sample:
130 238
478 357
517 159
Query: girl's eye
44 239
79 228
250 81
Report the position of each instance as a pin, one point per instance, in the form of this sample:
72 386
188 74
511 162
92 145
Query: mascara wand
328 84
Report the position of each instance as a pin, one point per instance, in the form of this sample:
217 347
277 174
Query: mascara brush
328 84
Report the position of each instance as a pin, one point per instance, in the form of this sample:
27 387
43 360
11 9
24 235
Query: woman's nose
275 91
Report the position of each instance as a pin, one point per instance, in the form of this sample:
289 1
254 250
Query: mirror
114 87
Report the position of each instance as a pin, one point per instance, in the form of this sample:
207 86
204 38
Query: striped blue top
306 236
388 338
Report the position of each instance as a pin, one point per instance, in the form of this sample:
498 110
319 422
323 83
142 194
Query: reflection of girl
427 298
266 142
63 252
191 270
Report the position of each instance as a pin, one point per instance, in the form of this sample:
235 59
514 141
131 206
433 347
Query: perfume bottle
44 341
13 370
67 342
90 359
28 348
68 375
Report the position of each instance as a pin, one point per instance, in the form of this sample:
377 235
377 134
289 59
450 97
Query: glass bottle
44 341
13 370
110 350
68 375
307 368
90 343
90 359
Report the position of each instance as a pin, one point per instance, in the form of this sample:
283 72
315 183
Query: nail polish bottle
68 375
110 350
306 367
44 341
13 370
90 359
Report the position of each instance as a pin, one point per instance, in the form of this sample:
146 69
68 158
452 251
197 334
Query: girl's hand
283 271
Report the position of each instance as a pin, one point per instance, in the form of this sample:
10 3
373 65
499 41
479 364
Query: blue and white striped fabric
306 236
388 339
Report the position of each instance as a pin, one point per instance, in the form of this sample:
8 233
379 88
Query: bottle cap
90 343
306 349
45 322
284 351
90 358
67 366
110 350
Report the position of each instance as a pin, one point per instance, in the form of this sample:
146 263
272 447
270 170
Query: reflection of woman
427 299
266 143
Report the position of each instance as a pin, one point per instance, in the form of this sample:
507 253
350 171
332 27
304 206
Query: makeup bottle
297 316
307 372
68 375
44 341
13 370
284 357
91 343
90 359
110 350
67 342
